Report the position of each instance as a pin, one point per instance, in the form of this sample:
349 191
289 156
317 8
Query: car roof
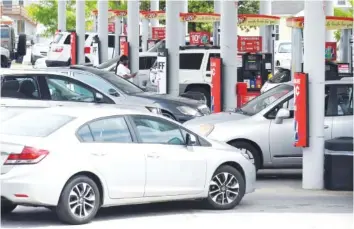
93 112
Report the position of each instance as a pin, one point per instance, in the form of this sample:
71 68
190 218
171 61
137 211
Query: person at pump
122 68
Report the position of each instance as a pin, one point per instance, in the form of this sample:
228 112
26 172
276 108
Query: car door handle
326 126
208 74
153 155
99 154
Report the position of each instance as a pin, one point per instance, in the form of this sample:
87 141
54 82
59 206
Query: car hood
216 118
178 100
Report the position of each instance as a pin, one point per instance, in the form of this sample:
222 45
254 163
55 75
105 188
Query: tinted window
67 40
111 41
5 33
190 61
20 87
210 56
158 131
34 124
340 100
85 134
110 130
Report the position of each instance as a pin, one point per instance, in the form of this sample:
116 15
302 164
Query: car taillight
58 49
87 50
29 155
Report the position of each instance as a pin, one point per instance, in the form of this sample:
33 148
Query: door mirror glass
190 140
282 114
98 97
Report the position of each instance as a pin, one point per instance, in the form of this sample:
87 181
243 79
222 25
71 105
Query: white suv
60 49
194 70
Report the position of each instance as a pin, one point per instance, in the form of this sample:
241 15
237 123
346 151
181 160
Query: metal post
329 8
133 36
216 24
95 26
145 34
62 15
314 65
80 31
296 51
265 8
172 44
184 25
345 46
154 6
228 41
103 28
118 31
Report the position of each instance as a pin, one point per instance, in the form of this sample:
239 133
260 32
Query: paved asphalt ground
279 202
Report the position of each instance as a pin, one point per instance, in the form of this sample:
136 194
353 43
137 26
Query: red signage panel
331 51
158 33
124 48
73 44
199 38
215 68
251 44
301 110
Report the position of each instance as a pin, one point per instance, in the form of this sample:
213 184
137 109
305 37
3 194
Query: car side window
340 100
20 87
67 40
85 134
158 131
190 61
66 89
210 56
112 129
287 104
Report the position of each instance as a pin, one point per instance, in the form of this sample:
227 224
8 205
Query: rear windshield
27 124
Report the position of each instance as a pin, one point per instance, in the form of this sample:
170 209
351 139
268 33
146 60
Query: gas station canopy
243 19
332 23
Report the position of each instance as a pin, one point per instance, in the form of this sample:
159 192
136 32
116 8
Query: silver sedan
264 127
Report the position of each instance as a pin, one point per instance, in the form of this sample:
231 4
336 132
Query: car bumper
250 177
56 63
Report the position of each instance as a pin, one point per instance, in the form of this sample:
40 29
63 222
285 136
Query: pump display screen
252 63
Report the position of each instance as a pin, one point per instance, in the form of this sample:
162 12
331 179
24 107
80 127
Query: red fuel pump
73 43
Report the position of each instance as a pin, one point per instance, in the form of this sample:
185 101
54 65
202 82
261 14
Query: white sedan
76 160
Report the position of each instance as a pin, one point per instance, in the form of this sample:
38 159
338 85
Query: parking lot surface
279 202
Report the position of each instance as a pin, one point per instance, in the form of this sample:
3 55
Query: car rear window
28 124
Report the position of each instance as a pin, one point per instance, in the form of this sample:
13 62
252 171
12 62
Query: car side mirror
190 140
98 97
281 115
113 92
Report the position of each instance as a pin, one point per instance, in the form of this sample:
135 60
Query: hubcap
82 200
224 188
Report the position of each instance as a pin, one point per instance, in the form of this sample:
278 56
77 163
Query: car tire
223 193
7 207
250 150
77 189
4 62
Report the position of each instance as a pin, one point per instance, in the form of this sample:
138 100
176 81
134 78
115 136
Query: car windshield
264 100
27 124
285 48
282 75
122 84
108 63
62 90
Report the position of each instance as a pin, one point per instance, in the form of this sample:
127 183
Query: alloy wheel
224 188
82 200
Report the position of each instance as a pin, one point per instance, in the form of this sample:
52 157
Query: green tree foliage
45 12
339 12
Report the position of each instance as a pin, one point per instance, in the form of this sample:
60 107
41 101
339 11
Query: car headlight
188 111
206 129
154 110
